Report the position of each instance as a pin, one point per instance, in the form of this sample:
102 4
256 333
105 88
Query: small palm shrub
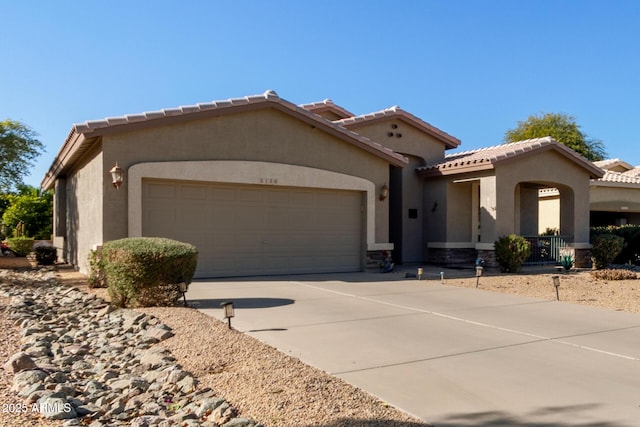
605 248
147 271
511 252
614 274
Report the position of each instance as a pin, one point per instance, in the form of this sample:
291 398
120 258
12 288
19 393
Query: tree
561 127
32 207
18 148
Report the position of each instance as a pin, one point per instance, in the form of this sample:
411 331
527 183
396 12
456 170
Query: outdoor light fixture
556 283
420 272
182 287
117 176
384 192
478 274
228 311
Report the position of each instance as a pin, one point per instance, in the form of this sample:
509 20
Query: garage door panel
250 230
195 192
221 194
161 191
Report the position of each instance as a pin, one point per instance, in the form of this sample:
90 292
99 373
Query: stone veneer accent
582 258
444 256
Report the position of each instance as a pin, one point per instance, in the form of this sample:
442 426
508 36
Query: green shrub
511 252
614 274
96 277
606 247
566 261
46 255
147 271
631 235
21 246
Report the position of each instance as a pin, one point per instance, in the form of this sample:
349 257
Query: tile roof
486 158
618 178
397 112
633 172
611 163
93 125
82 135
327 105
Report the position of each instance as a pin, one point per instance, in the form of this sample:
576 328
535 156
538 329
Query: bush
46 255
511 252
606 247
97 277
147 271
614 274
21 246
631 235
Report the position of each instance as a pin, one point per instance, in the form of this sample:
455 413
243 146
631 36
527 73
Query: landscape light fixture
478 274
117 176
228 311
556 283
182 287
384 192
420 272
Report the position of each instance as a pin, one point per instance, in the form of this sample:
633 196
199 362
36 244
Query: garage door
243 230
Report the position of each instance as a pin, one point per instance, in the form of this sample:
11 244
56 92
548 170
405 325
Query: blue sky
471 68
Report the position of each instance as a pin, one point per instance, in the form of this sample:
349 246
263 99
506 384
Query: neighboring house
264 186
614 197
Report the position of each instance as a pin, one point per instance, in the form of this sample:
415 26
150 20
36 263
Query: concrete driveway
448 355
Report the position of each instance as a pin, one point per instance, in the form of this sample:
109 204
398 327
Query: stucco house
264 186
614 197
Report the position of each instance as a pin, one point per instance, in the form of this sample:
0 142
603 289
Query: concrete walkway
448 355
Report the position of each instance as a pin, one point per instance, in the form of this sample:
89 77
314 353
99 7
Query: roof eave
454 170
83 134
594 171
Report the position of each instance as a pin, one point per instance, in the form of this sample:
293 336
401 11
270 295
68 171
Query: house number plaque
268 180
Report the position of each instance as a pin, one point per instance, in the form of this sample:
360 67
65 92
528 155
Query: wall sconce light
117 176
384 192
228 311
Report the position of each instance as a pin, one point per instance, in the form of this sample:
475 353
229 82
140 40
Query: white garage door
243 230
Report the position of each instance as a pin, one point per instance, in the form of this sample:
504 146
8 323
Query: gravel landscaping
176 366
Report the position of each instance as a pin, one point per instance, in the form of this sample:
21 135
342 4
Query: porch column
528 211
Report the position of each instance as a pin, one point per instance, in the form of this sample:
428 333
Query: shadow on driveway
240 302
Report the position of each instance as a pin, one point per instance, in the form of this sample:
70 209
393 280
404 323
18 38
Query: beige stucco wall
459 195
435 210
404 138
265 135
84 209
548 168
613 198
548 213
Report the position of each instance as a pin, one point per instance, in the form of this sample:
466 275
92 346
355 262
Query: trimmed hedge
147 271
631 235
606 247
21 246
511 252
